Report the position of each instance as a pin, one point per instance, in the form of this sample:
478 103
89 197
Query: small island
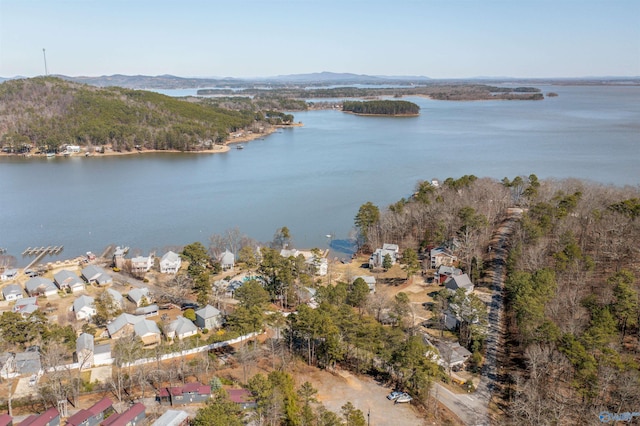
390 108
552 95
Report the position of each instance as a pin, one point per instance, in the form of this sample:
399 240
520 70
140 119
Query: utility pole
46 72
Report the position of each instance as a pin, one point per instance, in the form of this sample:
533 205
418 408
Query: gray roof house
181 328
227 260
145 329
170 263
12 292
452 354
84 307
85 350
28 363
96 275
139 295
148 311
116 296
370 280
9 274
377 258
208 317
67 279
172 418
23 304
38 286
459 281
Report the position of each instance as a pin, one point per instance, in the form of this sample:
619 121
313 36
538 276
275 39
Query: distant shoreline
234 139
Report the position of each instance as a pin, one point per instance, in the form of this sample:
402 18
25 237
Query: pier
40 252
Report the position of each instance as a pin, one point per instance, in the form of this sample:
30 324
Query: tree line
383 107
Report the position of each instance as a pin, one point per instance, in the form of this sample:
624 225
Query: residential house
6 420
118 256
172 418
370 280
28 363
208 317
444 272
96 275
12 292
51 417
145 329
459 281
141 264
181 328
452 355
68 280
9 274
377 258
26 305
227 260
102 354
117 297
442 256
92 416
84 307
242 397
85 351
319 263
133 416
148 311
190 393
170 263
38 286
139 296
307 295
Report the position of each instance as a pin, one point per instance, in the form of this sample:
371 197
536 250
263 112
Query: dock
40 252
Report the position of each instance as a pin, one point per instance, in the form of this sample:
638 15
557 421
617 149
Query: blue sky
250 38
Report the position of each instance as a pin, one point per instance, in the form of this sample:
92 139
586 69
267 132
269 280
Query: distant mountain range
324 78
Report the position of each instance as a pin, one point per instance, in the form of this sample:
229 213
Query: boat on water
51 154
240 147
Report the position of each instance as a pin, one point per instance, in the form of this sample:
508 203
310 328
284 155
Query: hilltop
49 112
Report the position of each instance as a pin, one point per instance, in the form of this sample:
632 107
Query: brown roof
125 417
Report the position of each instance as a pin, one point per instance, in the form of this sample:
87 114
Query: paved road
473 409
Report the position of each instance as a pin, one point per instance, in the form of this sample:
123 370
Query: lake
314 178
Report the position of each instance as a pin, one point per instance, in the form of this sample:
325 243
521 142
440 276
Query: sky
262 38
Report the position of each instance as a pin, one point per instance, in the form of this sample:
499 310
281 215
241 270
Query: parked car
186 306
394 395
404 397
33 380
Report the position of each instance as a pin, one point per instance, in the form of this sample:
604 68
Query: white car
404 397
33 380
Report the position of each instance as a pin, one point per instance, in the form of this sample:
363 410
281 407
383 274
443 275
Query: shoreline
241 136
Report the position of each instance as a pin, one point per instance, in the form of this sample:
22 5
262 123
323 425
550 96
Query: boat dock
40 252
37 251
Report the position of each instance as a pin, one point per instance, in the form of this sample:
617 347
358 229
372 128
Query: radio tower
46 73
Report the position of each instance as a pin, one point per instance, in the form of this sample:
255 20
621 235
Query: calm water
313 179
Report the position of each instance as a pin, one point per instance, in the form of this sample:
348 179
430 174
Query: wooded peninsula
385 107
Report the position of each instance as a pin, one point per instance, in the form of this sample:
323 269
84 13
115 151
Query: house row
170 262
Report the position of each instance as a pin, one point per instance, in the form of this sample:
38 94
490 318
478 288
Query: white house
139 296
67 279
84 307
208 317
85 350
140 264
377 258
227 260
181 328
38 286
9 274
12 292
170 263
96 275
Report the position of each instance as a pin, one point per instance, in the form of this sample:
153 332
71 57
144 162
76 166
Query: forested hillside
384 107
49 112
573 311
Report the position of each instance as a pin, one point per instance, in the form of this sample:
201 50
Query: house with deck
170 263
141 264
